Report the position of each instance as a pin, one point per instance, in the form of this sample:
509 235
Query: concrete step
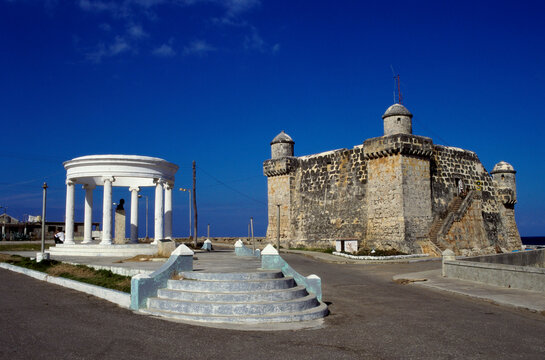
231 285
242 297
267 295
233 308
257 275
317 312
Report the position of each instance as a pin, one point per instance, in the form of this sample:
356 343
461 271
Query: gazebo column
158 211
107 212
88 219
69 219
168 211
134 214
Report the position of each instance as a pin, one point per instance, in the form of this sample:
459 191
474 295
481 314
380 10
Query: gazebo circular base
114 250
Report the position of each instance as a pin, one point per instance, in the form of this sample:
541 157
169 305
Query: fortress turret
397 120
503 175
282 146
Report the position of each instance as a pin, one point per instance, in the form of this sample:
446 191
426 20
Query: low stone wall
501 270
144 286
270 260
534 258
241 250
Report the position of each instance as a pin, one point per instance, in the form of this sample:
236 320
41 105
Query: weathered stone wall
279 188
385 218
417 209
450 165
328 197
387 193
468 236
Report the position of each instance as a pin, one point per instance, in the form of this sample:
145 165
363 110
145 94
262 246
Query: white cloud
254 41
105 27
136 31
97 5
164 50
198 47
236 7
117 47
132 15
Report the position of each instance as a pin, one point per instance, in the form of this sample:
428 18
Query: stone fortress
398 191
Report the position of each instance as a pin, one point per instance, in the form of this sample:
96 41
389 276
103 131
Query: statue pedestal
120 227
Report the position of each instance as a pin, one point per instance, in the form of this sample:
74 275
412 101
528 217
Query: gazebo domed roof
129 170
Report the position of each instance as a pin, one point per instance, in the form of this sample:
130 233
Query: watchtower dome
503 175
397 120
282 146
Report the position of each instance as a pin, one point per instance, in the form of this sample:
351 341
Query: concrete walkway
516 298
215 261
226 261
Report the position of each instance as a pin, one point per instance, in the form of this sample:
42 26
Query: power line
230 187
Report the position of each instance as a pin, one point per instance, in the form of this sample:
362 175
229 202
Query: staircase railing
454 214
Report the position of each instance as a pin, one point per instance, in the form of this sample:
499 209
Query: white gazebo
130 171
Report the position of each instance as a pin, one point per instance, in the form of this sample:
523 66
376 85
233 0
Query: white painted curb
117 297
366 257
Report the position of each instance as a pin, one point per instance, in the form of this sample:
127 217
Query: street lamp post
3 224
147 237
43 255
44 187
189 192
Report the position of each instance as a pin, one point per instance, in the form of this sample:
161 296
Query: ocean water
533 240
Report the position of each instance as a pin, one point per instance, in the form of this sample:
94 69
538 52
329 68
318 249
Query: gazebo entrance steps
242 297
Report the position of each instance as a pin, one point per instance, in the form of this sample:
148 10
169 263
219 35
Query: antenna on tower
394 74
398 90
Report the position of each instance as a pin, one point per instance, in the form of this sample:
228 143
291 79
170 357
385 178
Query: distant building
17 230
398 191
8 219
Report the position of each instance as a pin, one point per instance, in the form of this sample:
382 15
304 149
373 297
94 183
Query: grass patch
140 258
23 247
103 278
322 250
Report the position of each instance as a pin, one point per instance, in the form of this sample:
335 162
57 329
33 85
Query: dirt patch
5 257
140 258
176 277
408 281
76 271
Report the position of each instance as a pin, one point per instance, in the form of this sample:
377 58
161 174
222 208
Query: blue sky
214 81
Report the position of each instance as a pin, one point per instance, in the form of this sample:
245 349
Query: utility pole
194 205
252 227
189 207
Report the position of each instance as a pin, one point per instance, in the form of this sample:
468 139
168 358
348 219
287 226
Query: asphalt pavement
371 317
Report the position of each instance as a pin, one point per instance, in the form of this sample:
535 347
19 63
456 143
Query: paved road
371 317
